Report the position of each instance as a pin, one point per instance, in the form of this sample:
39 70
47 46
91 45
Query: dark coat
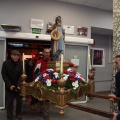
11 73
29 73
118 116
117 79
117 90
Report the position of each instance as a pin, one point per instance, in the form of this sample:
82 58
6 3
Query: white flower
77 76
69 69
74 88
44 75
36 79
75 85
48 82
56 74
65 76
49 70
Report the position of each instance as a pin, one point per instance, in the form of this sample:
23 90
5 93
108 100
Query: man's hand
112 95
12 87
114 117
17 89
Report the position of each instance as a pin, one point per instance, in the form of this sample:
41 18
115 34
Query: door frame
4 57
88 50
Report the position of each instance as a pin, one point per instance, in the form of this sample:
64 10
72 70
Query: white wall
103 75
21 11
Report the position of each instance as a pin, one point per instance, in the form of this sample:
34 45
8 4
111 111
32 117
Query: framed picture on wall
97 57
82 31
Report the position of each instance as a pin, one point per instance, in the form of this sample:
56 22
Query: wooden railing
91 110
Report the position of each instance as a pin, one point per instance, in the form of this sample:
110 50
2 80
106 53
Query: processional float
62 97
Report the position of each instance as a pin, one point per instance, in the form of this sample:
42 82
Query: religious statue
57 36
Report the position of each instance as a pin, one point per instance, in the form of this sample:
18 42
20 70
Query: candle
89 61
61 64
23 62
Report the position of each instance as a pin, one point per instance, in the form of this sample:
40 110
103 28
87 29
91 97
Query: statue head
58 21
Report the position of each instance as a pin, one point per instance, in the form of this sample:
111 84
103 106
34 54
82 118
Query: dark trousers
10 96
45 107
34 101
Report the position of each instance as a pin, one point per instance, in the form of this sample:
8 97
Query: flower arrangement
49 79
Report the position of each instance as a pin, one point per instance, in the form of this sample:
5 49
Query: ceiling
101 4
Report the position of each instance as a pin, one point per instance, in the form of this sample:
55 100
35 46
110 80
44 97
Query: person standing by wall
11 73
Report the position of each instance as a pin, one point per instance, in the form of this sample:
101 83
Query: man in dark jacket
117 80
11 73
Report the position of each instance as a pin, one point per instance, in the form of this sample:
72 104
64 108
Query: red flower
44 71
74 71
72 75
54 81
47 77
65 71
72 79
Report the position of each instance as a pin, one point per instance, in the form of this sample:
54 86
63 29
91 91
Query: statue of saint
59 34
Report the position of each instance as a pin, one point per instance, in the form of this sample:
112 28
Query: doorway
29 47
32 48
